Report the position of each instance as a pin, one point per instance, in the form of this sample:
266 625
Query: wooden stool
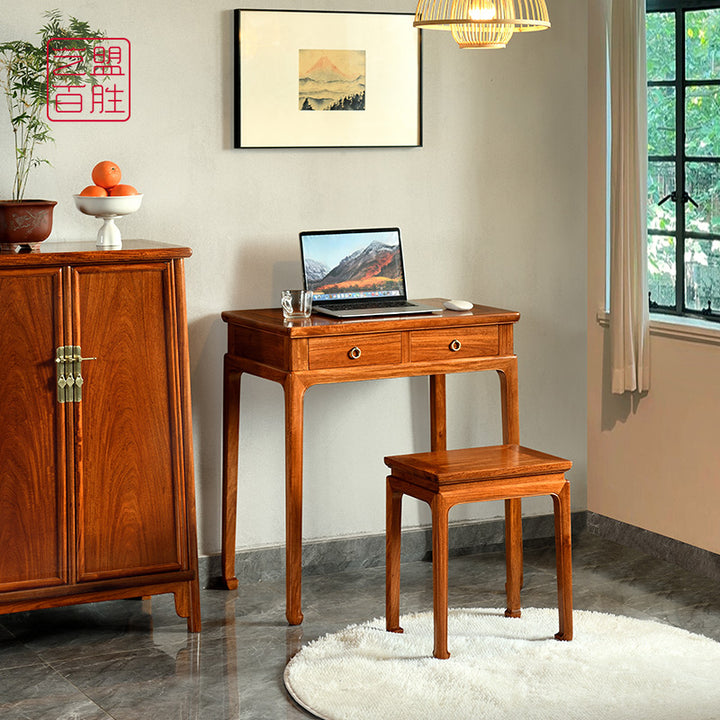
446 478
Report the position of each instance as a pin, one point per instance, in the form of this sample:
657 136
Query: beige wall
492 208
653 461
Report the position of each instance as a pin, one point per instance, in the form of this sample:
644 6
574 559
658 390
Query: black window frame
680 158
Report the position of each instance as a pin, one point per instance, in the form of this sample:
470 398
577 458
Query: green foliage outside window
701 109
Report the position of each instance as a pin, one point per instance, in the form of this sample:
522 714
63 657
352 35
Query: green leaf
23 69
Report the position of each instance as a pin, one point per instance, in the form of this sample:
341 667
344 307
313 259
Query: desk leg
513 508
393 541
294 393
438 413
510 404
231 422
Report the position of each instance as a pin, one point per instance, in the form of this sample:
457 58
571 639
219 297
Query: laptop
357 273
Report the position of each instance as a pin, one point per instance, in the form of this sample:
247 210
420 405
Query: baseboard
322 557
686 556
333 555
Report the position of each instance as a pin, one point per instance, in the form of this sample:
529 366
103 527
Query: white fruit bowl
107 209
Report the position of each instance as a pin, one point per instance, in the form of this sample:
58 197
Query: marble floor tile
134 660
39 692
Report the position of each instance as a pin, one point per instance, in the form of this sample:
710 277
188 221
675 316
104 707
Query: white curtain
629 315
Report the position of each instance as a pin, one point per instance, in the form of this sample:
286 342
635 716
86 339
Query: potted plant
24 69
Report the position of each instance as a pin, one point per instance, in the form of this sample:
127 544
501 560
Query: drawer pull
455 345
355 353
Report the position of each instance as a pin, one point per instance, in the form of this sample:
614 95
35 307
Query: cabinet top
73 253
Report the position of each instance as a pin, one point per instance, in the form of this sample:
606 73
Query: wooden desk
299 354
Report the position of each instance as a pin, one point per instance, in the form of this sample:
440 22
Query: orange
123 190
94 191
106 174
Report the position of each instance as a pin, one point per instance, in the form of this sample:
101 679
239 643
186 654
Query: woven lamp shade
482 23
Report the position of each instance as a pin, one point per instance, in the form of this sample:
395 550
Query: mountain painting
332 80
375 268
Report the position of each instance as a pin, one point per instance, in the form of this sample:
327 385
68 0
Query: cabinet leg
187 604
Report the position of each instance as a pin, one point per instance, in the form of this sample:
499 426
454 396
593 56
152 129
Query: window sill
684 328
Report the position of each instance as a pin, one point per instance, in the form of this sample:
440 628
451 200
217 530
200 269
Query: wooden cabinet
96 469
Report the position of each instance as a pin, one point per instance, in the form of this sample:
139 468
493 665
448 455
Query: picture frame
324 79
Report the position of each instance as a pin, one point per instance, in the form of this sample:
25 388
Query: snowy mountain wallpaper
371 268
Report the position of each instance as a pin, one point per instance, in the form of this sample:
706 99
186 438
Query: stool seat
442 467
444 478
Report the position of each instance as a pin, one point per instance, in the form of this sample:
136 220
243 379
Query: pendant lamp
482 23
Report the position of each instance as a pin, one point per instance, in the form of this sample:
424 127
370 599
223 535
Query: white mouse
458 305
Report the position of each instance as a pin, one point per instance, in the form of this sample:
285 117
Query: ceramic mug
296 304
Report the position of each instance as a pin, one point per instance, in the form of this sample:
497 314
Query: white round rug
615 668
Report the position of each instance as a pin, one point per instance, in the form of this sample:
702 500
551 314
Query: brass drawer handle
355 353
455 345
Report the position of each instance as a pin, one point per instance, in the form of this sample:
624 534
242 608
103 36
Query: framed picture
327 79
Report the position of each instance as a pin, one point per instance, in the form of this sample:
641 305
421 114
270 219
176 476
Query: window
683 71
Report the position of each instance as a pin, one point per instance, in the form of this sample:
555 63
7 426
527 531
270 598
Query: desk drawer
453 343
356 351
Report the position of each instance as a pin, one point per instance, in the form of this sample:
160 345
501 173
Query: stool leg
513 556
440 512
563 553
393 519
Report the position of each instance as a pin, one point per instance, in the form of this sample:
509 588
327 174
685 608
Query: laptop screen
353 264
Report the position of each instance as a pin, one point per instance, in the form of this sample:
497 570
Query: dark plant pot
24 223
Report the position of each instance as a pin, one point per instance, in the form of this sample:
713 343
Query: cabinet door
33 530
128 452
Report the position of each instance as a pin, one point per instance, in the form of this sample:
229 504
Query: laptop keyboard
369 304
